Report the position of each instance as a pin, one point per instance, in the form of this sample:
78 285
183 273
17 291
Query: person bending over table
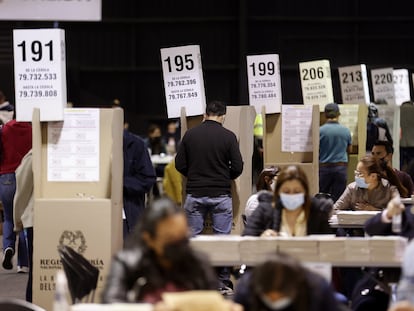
290 211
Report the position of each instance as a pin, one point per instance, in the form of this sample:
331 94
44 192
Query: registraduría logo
73 239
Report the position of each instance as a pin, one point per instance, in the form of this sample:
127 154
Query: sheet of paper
297 128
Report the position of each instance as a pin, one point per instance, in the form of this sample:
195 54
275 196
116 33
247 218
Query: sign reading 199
263 68
179 63
312 73
36 49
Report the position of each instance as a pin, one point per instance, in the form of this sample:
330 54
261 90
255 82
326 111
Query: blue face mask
292 201
279 304
360 182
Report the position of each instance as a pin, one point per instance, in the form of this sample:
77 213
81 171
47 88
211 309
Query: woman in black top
290 211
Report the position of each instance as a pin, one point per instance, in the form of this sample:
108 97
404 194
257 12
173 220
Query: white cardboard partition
86 216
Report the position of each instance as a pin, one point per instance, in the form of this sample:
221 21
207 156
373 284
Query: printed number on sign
312 73
383 78
349 77
36 50
180 63
263 68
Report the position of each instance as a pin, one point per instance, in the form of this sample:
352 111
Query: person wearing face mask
383 150
291 211
265 182
374 186
157 259
281 283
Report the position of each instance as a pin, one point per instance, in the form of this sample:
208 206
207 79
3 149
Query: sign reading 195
179 62
263 68
37 50
312 73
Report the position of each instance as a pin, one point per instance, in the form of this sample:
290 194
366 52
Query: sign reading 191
36 50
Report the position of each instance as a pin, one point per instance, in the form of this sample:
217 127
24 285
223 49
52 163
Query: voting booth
78 177
240 120
354 117
274 140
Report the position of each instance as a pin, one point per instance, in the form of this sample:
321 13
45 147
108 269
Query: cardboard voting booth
354 117
273 139
77 202
240 120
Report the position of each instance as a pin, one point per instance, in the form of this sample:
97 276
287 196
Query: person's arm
345 201
257 222
116 288
181 158
381 223
24 190
141 175
236 161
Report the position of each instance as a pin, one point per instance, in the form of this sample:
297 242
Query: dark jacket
375 226
321 296
137 270
210 158
266 217
139 177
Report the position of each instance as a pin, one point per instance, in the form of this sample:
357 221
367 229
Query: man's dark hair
2 97
388 146
215 108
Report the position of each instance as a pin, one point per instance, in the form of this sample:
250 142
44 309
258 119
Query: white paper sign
53 10
73 147
401 86
183 80
39 73
297 128
383 85
263 73
316 81
354 84
349 119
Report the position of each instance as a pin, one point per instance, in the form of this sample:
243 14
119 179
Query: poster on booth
183 80
401 86
383 85
354 84
73 147
263 73
297 128
316 81
39 73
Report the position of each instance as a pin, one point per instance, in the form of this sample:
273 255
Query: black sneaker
7 258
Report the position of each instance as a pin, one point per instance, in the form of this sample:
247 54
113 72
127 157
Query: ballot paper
200 300
387 248
331 248
303 248
222 249
354 217
357 249
257 249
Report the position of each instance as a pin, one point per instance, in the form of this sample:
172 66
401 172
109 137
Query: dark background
119 57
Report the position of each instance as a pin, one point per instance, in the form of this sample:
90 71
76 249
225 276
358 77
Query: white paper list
297 128
73 147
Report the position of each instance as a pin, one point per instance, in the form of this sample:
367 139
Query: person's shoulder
265 196
129 257
322 205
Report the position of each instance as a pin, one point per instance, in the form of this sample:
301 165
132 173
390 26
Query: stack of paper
257 249
357 250
303 248
219 248
331 248
354 217
387 248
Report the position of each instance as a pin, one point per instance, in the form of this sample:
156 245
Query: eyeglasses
358 174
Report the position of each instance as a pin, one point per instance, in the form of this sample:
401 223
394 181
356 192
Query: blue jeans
221 212
332 180
7 191
220 208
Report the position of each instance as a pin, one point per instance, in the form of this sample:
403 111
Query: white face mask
360 182
292 201
279 304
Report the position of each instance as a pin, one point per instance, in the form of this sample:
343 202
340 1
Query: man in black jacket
210 158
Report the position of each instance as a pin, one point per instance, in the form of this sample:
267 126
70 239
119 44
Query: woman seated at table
374 186
290 211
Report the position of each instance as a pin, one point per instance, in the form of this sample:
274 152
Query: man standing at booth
210 158
335 144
